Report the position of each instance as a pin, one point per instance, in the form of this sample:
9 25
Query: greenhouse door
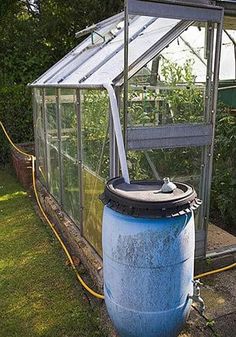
159 126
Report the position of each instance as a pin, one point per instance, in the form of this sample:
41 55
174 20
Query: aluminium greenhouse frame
179 135
183 135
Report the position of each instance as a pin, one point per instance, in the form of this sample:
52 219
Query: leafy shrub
16 115
224 174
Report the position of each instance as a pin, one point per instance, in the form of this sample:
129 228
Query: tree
35 34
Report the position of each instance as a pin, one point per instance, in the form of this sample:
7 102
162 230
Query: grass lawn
39 294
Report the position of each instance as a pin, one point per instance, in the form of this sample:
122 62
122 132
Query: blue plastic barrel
148 257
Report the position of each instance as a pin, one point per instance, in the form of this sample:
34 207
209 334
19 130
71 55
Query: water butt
148 256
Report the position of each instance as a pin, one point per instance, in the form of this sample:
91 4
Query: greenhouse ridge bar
187 10
168 117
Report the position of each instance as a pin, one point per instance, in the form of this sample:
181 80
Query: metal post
47 159
111 145
126 71
213 112
80 160
118 92
35 113
207 113
59 140
204 191
210 111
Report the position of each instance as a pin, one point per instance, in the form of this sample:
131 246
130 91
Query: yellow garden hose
33 158
12 144
92 292
215 271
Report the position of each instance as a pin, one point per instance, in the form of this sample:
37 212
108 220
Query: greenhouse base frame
82 251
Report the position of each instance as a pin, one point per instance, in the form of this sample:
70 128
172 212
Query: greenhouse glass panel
170 88
95 143
69 153
52 143
183 164
180 164
40 145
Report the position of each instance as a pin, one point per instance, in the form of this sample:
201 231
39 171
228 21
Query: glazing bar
213 114
175 10
47 160
80 160
58 119
126 73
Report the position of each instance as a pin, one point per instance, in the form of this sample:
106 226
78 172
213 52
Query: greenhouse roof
190 46
99 58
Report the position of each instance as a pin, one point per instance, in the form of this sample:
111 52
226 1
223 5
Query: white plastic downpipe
118 132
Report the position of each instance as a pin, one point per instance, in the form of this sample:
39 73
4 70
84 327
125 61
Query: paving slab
218 237
219 294
226 325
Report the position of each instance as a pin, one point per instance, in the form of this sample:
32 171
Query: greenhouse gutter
67 85
91 86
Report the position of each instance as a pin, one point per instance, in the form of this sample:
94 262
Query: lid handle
168 186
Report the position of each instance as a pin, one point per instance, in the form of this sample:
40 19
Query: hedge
16 115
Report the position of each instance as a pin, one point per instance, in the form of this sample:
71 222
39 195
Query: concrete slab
226 325
219 294
218 237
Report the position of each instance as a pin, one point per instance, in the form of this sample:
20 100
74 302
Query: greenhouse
162 74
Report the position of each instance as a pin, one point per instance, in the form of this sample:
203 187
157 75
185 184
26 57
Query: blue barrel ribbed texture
148 272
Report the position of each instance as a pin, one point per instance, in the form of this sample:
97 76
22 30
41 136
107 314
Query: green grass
39 294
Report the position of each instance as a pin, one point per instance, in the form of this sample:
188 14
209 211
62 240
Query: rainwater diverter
148 256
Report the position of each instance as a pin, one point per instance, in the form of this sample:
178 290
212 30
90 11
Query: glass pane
69 153
228 59
40 145
95 138
171 87
180 164
52 143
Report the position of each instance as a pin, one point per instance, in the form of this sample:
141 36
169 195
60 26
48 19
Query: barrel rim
180 205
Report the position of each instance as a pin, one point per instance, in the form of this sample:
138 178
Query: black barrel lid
147 199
